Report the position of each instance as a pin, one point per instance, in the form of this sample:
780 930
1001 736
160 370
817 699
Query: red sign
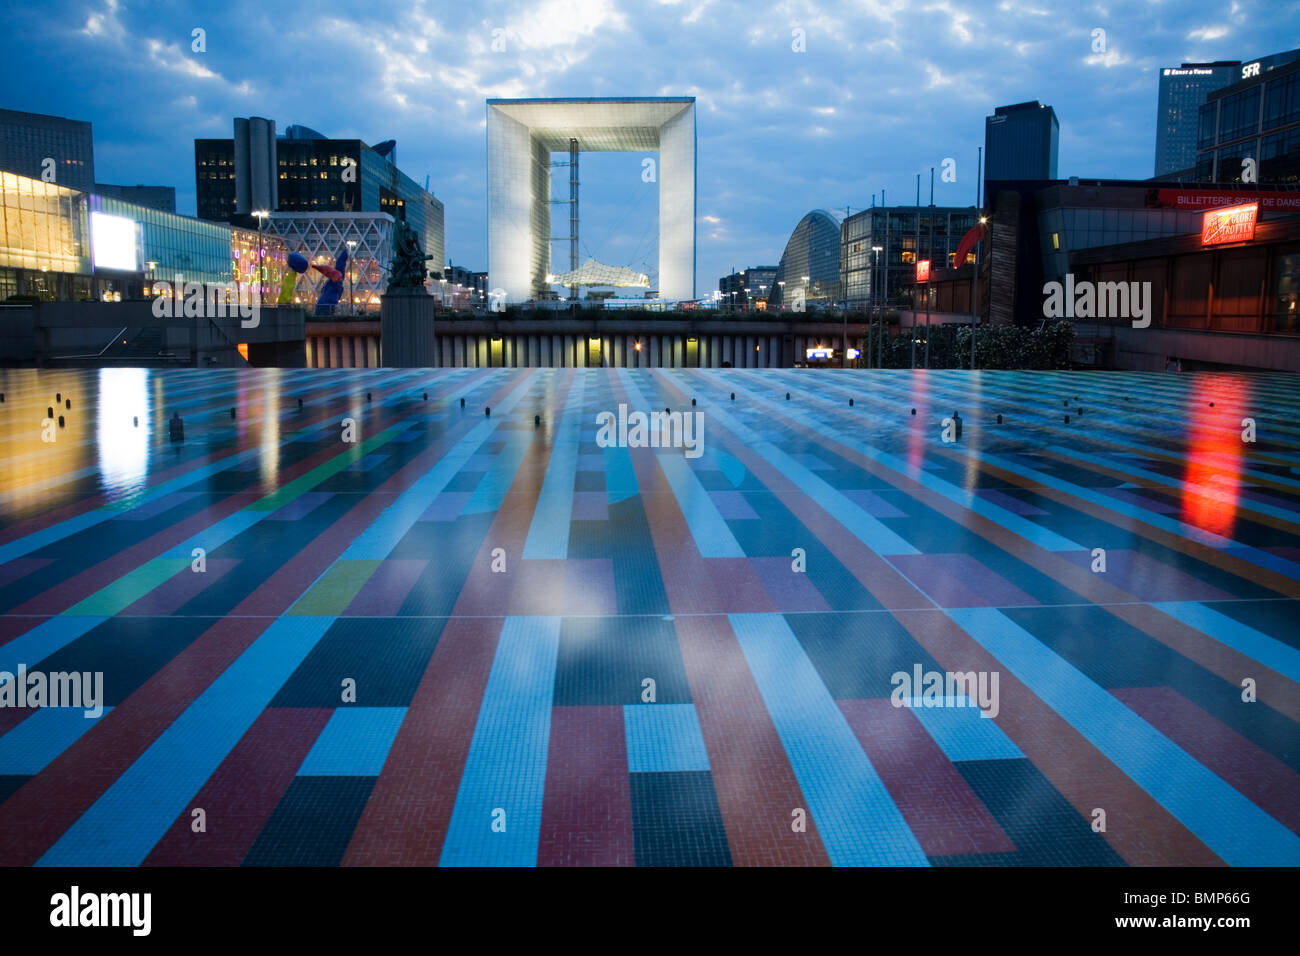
922 270
1233 224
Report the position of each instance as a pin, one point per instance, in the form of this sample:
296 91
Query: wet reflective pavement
351 620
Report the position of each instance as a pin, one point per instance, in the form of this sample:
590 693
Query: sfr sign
1249 70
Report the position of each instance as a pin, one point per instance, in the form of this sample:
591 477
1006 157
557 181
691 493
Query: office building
1183 90
1249 131
1244 290
58 244
810 263
62 151
304 173
48 148
1020 142
161 198
462 288
753 284
903 234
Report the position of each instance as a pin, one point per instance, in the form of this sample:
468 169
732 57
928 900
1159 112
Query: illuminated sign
1231 224
1205 199
1173 72
1249 70
854 353
923 270
820 353
112 242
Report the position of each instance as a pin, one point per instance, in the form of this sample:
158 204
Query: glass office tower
27 140
1183 90
1020 142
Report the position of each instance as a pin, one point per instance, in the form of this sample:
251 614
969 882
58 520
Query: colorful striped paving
465 639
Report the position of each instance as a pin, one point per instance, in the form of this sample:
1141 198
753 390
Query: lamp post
352 289
975 292
975 282
930 253
875 300
261 215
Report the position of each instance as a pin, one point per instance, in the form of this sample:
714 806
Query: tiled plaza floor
473 639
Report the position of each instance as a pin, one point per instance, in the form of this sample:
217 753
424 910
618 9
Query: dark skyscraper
1182 91
1020 142
162 198
28 140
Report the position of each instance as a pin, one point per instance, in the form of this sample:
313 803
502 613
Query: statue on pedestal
408 270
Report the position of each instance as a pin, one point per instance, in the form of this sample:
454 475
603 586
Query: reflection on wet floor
361 620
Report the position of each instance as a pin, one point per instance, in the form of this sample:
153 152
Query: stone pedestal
406 337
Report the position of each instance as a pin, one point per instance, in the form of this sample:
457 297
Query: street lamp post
875 297
261 215
975 282
352 289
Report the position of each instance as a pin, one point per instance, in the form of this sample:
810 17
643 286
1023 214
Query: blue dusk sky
883 90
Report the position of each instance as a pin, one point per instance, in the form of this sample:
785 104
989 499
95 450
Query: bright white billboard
112 242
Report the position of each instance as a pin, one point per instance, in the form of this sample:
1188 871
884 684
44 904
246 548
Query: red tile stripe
756 788
1269 783
1083 775
936 801
406 819
40 811
243 792
587 807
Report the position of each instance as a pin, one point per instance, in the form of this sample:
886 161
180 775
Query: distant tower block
522 135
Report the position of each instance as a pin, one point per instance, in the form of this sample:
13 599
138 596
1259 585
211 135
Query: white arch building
522 135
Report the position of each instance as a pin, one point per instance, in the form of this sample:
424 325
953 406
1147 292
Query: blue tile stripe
44 639
713 539
1237 830
354 743
1241 504
620 475
496 481
64 529
859 823
384 533
1269 651
707 526
663 737
506 765
870 531
29 747
548 534
131 816
961 733
966 498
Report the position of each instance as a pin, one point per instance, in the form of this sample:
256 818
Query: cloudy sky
883 90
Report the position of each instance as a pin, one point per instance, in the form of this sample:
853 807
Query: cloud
886 88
